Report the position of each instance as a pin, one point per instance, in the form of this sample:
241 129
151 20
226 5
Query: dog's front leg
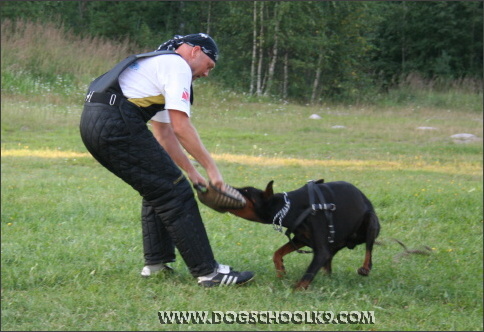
321 254
283 251
320 259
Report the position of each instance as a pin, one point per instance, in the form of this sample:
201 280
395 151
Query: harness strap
299 220
327 212
106 90
104 98
109 80
314 207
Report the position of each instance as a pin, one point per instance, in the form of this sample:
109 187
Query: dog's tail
426 250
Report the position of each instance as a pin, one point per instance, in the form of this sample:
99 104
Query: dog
326 217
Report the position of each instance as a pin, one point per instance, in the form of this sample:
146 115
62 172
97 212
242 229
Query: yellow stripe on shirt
148 101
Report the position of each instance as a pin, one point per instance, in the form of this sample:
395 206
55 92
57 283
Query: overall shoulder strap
109 80
155 53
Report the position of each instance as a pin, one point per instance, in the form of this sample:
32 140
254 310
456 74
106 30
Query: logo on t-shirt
186 96
134 66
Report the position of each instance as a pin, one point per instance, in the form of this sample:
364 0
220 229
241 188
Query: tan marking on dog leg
302 285
281 252
365 269
327 268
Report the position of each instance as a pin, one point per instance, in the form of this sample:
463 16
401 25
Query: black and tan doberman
326 217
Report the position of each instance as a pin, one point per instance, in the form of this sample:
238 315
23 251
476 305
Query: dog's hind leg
283 251
367 264
372 231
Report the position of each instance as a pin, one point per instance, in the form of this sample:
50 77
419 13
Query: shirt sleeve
177 82
162 116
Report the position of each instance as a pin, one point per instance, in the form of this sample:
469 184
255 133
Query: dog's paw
362 271
281 273
302 285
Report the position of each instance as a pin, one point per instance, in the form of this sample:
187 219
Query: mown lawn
71 235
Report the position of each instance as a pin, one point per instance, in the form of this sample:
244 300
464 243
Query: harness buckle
318 207
331 233
112 100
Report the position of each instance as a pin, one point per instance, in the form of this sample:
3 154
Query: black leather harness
317 203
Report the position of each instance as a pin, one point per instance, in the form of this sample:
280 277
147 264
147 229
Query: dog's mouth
244 192
248 211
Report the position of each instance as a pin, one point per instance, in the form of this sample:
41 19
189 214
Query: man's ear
196 51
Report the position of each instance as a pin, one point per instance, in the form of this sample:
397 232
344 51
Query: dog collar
281 214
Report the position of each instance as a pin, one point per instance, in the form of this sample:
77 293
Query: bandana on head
206 43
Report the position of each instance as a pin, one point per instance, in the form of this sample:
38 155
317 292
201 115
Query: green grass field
71 235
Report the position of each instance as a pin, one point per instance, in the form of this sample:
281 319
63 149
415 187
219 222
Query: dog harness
314 207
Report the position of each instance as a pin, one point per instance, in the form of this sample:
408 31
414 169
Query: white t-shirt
164 79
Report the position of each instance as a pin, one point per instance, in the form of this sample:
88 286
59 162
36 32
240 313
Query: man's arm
181 131
164 134
188 137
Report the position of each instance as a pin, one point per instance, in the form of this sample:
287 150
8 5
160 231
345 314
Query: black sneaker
224 276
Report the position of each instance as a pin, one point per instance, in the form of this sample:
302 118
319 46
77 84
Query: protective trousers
158 247
117 136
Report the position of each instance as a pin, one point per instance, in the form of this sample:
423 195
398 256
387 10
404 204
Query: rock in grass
464 138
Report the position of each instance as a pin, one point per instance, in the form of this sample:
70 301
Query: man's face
200 63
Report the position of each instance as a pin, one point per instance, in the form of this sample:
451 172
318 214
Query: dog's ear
269 192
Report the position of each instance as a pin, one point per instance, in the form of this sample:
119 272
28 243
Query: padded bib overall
115 132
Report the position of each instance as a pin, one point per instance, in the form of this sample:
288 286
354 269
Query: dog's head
257 202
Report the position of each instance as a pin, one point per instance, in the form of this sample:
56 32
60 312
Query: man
157 86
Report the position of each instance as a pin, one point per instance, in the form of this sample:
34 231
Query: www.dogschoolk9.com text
266 317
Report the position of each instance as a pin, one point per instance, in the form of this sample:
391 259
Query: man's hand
220 200
216 179
196 178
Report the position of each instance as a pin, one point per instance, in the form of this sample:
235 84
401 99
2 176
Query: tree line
301 50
